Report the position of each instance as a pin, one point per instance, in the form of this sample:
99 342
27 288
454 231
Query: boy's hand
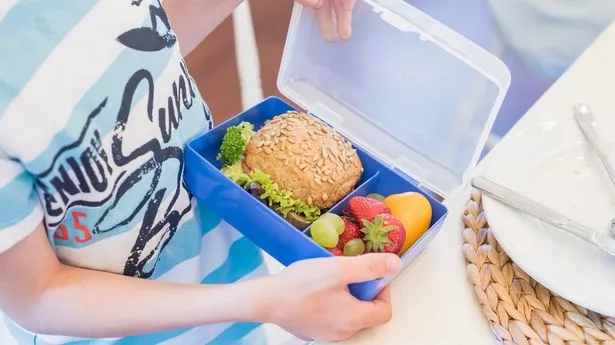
334 17
311 299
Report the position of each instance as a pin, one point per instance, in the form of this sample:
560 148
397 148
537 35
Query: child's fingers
343 13
380 309
367 267
384 296
326 21
334 17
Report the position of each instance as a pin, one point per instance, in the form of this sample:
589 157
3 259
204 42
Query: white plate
550 162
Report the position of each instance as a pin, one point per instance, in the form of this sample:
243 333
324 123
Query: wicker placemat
519 310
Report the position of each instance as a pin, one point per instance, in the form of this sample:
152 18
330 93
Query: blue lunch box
416 99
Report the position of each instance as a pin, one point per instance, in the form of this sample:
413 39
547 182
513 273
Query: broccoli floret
234 143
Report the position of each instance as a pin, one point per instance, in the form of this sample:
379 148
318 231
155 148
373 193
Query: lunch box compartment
386 182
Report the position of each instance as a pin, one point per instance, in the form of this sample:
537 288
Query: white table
433 301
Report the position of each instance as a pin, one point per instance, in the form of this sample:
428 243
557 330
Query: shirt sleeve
20 208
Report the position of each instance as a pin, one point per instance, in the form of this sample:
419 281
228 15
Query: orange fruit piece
414 212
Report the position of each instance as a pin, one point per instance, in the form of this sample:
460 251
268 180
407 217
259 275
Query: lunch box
416 99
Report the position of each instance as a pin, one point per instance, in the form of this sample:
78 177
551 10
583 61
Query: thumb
367 267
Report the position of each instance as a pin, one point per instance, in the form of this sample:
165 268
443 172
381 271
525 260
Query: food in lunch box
234 143
385 234
336 251
324 233
363 208
370 225
354 247
305 156
376 196
335 220
351 231
295 163
414 212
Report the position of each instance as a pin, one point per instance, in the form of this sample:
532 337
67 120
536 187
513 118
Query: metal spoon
559 221
584 116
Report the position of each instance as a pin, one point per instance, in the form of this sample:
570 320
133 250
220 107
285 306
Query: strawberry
336 251
385 234
351 231
363 208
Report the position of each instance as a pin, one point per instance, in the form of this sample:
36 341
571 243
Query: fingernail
393 264
345 32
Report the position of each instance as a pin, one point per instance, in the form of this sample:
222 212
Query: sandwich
295 164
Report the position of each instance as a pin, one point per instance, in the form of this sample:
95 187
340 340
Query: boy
99 240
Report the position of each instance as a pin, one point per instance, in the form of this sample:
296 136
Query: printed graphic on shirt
97 109
150 38
101 184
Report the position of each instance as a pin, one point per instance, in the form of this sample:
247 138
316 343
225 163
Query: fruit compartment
387 182
262 225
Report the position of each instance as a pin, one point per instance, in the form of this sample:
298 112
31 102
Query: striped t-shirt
96 106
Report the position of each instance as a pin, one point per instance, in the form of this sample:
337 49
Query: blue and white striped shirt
96 106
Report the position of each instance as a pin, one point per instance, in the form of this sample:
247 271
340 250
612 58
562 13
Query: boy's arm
310 298
45 296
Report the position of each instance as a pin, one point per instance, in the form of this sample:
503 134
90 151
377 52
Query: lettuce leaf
281 200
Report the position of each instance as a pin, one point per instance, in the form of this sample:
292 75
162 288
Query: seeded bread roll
306 157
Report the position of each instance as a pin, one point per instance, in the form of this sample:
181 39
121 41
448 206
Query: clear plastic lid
409 90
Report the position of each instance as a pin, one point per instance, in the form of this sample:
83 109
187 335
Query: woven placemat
519 310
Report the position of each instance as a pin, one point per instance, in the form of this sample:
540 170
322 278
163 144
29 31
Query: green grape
376 196
354 247
324 233
335 220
